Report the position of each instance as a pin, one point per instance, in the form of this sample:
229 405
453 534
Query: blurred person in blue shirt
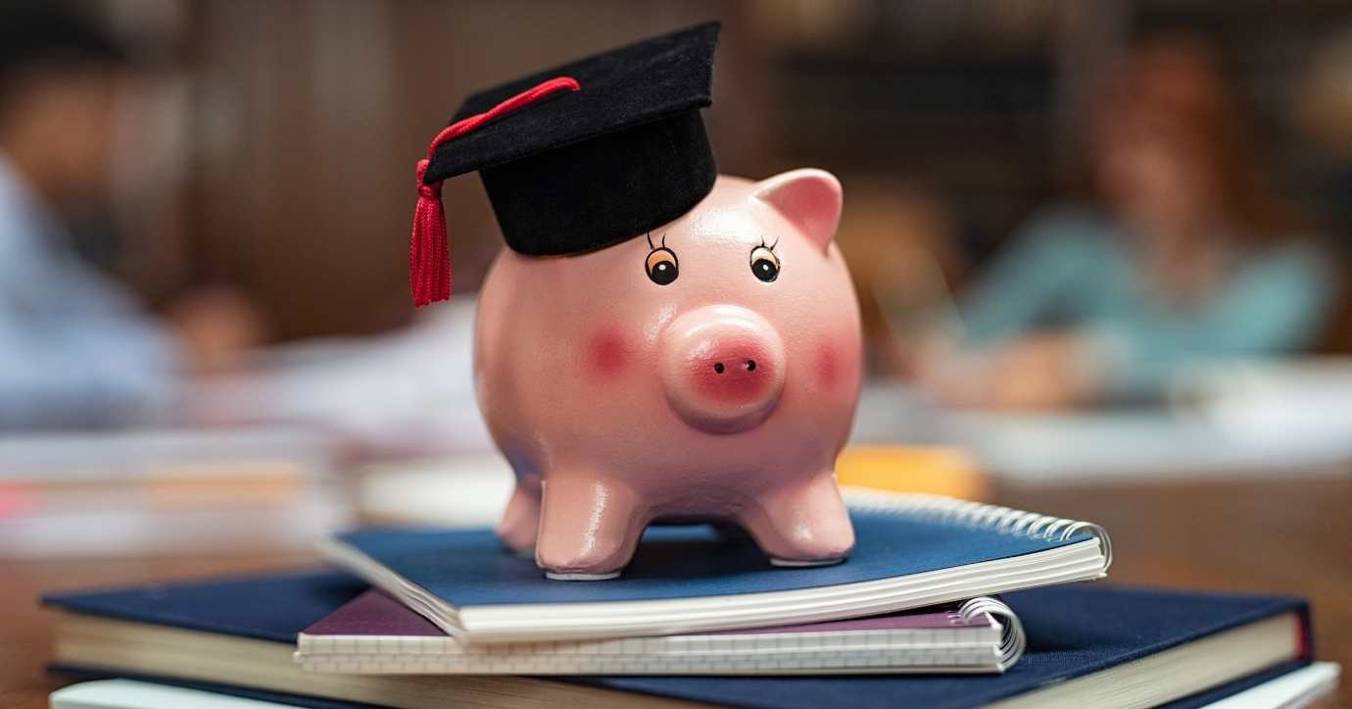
1186 257
76 348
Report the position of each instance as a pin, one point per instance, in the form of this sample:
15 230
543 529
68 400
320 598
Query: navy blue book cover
273 607
468 567
1072 631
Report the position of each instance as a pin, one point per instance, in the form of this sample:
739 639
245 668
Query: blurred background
1102 252
250 157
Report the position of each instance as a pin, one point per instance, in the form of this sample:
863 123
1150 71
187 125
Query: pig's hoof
574 576
800 563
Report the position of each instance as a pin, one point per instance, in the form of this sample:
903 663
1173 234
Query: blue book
1087 646
912 551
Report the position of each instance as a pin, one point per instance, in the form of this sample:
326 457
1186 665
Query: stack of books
168 491
943 603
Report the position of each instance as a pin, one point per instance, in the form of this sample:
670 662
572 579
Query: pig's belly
682 470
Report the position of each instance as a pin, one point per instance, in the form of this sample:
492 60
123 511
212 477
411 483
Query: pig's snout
722 368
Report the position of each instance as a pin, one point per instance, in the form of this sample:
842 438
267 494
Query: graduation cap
576 158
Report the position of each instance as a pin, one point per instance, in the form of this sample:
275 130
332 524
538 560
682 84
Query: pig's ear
809 198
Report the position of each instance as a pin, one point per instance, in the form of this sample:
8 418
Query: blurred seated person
1187 257
75 347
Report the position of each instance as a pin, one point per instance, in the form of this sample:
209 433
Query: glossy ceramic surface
707 370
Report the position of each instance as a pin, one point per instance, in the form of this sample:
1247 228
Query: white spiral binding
976 514
1012 639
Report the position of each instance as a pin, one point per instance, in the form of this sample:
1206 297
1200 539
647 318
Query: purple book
374 634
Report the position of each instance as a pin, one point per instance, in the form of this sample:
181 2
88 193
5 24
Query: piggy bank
706 370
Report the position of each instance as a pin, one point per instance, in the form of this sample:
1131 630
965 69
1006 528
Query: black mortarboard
579 157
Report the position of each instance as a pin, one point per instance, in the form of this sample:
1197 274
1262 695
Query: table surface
1292 536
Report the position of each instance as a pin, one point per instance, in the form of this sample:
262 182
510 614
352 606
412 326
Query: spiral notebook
912 551
374 634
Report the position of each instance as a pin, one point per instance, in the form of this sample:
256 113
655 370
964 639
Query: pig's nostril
751 365
718 367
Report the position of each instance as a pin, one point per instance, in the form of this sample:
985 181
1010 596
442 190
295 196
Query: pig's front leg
589 527
520 523
802 524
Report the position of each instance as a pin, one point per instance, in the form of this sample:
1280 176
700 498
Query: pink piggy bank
709 371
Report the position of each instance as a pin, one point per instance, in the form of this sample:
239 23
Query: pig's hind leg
804 524
589 527
520 523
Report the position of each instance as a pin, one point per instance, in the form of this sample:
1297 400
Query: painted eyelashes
663 267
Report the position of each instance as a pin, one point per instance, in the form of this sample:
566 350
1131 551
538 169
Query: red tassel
429 261
429 264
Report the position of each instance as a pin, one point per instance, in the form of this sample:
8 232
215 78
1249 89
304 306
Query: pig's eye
764 263
661 266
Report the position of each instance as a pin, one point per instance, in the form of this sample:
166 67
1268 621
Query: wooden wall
308 116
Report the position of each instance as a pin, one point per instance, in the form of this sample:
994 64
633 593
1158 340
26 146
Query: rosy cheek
608 352
828 367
